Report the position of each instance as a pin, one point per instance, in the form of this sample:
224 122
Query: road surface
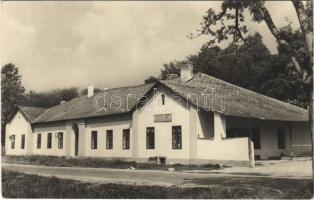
280 170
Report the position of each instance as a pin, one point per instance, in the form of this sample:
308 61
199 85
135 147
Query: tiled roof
83 107
31 113
236 101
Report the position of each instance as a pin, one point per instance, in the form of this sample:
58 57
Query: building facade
168 121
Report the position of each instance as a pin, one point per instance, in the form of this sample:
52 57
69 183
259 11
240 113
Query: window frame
39 141
23 141
163 99
176 137
126 139
94 139
150 144
13 142
109 135
60 140
49 140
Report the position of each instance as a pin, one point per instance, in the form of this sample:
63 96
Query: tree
11 94
249 65
51 98
232 11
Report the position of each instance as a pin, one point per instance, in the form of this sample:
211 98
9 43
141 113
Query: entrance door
76 142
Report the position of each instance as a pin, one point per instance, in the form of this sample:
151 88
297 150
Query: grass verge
17 185
99 163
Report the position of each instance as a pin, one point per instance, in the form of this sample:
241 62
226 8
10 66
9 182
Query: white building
194 118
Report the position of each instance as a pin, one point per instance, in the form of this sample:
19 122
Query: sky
107 44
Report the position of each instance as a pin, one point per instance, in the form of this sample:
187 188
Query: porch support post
219 126
134 134
67 138
290 139
193 133
82 138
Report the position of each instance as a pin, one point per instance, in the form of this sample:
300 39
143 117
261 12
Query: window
94 140
60 140
23 141
109 139
12 138
38 140
163 99
256 137
126 139
49 139
176 137
281 138
150 138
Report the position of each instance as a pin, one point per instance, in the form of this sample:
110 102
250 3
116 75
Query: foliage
99 163
249 65
11 93
228 22
50 98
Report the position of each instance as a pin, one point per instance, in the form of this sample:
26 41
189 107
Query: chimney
186 72
90 91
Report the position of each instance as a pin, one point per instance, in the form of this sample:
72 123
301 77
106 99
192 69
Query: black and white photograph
157 99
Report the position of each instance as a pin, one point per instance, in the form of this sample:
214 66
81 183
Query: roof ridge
30 107
251 91
132 86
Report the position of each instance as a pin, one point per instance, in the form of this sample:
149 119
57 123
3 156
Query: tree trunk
312 136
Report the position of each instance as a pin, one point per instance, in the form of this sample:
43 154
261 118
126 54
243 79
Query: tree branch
273 29
305 25
237 28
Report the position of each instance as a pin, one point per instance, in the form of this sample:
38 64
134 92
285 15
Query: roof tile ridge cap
250 91
132 86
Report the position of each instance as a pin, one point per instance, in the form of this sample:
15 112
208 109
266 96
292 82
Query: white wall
234 149
18 126
44 129
163 130
116 123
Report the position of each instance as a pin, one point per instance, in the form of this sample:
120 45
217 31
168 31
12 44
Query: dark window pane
49 139
38 141
109 139
60 140
256 137
23 141
150 138
94 140
281 138
163 99
126 139
176 137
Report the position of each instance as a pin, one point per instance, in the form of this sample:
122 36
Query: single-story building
194 118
